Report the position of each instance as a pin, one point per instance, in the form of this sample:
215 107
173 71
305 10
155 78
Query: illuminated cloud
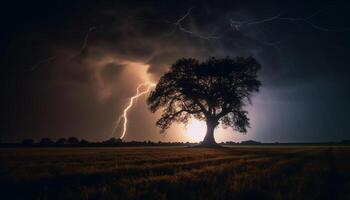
72 74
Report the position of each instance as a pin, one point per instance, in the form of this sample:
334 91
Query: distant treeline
116 142
75 142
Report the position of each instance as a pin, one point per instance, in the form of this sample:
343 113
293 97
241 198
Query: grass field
176 173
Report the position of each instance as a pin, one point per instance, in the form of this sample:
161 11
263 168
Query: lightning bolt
124 116
178 26
54 57
40 62
85 42
238 24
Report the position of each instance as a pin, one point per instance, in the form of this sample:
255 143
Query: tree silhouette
73 141
46 142
27 142
215 90
61 141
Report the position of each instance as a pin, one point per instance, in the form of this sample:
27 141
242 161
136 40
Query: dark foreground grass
176 173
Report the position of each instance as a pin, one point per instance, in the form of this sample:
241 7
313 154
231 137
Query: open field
176 173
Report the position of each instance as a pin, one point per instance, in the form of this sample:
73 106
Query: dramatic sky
69 67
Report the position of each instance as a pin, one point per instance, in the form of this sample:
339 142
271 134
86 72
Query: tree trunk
209 140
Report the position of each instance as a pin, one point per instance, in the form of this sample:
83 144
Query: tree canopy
215 90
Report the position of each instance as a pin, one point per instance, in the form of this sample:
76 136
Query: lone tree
215 90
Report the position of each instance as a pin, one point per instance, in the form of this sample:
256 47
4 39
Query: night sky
69 67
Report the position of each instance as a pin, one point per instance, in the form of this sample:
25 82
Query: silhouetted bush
46 142
61 141
27 142
73 140
250 142
230 143
112 141
83 142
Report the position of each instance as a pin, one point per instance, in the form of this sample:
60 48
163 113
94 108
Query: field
176 173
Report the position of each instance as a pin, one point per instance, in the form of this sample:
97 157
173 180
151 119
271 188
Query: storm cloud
69 68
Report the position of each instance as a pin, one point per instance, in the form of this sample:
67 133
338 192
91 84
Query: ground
263 172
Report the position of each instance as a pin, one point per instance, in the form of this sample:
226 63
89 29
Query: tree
84 142
113 141
46 142
61 141
73 141
215 90
27 142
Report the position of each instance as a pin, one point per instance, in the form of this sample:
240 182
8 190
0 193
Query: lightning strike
124 116
85 42
41 62
54 57
233 24
180 27
237 25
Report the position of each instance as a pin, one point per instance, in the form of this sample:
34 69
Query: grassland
176 173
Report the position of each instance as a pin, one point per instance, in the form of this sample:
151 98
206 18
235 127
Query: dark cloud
69 68
111 71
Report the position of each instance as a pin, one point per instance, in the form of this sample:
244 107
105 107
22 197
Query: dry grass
176 173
